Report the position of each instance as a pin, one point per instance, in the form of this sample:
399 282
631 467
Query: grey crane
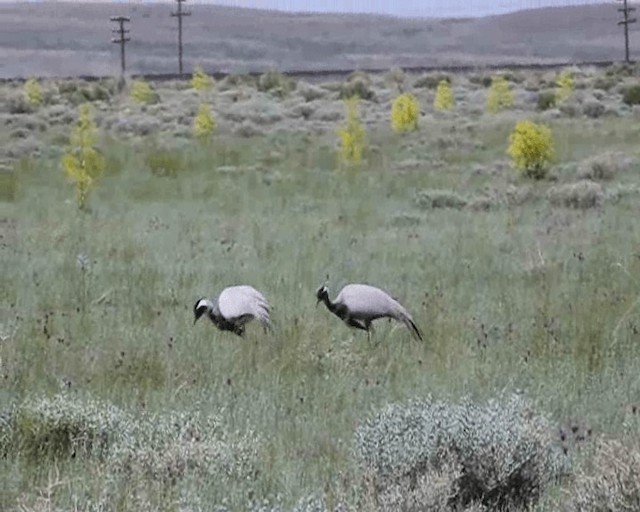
233 308
358 305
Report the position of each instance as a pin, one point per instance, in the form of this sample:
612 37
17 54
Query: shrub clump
275 83
631 95
156 448
546 100
603 167
499 454
593 109
531 149
142 92
62 427
430 199
500 96
611 481
431 81
352 136
565 86
580 195
200 81
405 112
204 123
33 92
358 84
444 99
164 162
83 163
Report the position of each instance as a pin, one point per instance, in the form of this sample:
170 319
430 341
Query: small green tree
33 92
204 123
352 135
500 96
82 162
565 86
200 80
444 99
405 112
531 149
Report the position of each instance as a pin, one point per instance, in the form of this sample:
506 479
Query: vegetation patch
582 195
500 453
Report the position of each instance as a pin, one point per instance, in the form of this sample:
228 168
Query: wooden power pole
626 21
179 14
121 31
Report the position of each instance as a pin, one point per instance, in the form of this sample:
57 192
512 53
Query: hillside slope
54 39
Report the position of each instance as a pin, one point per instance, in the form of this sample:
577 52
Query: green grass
530 297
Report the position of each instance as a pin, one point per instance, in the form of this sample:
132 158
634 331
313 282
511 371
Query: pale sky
429 8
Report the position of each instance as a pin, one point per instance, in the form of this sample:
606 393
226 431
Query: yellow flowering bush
200 80
141 92
405 112
531 149
444 99
82 162
565 86
500 96
204 123
33 92
352 135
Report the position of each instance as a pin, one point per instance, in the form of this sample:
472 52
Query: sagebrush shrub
352 136
62 426
163 162
500 453
358 84
204 123
157 449
33 92
405 113
142 92
444 99
200 81
593 109
434 198
631 95
500 96
431 81
275 83
546 100
580 195
611 480
565 86
605 166
531 149
82 162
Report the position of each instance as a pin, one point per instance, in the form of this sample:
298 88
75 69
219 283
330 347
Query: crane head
323 291
199 309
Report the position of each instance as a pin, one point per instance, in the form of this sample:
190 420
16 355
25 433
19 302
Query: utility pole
179 14
121 31
626 21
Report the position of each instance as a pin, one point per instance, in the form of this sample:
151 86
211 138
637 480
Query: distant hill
63 39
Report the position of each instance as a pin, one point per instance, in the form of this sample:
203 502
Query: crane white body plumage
360 304
235 307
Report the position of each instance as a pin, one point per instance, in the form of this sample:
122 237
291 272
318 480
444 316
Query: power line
180 14
121 31
626 21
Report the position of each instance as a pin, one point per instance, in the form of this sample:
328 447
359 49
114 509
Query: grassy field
112 400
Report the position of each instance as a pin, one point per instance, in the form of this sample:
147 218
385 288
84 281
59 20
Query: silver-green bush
500 453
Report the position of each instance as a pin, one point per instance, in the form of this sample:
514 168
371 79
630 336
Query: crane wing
236 302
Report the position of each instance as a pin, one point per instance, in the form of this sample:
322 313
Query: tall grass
526 296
